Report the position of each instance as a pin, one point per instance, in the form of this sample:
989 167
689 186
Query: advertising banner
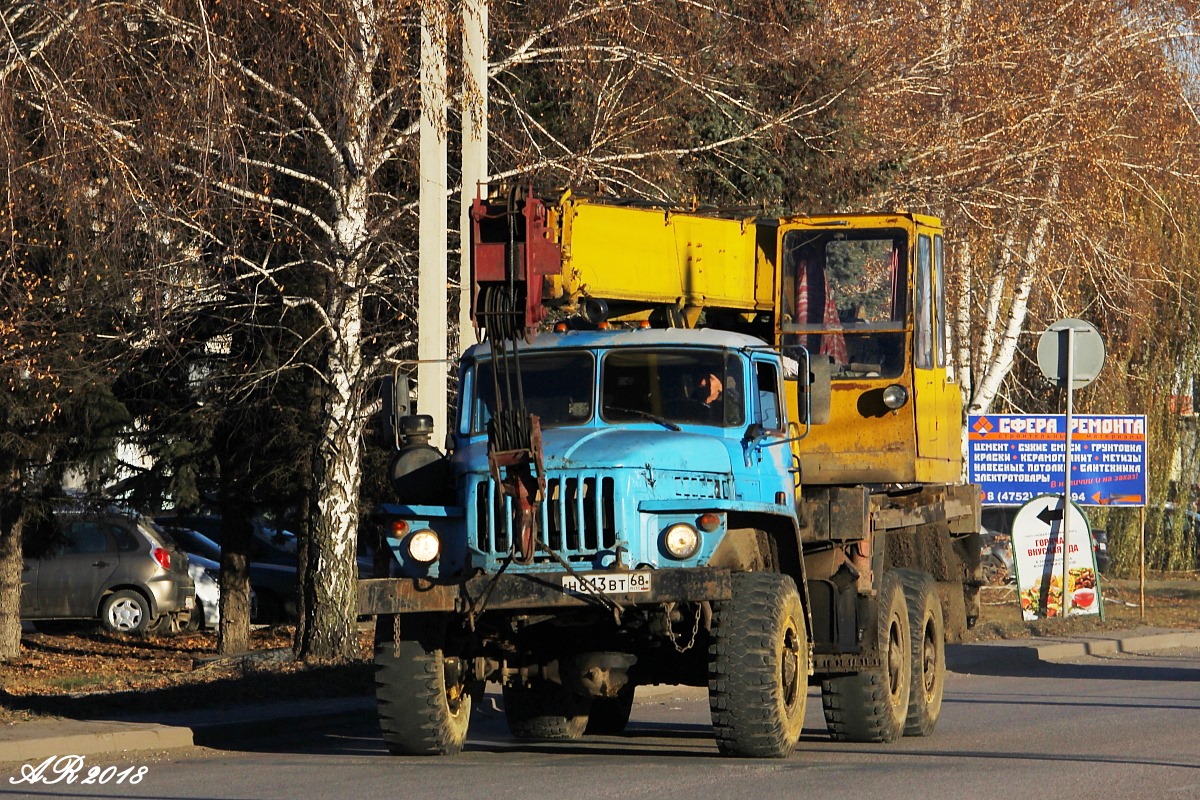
1037 536
1016 457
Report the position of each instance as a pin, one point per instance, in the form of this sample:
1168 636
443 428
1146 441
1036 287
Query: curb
964 657
1100 645
87 738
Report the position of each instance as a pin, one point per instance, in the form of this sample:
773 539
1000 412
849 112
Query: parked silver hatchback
110 566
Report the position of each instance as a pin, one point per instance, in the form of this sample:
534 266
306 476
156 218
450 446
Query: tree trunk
330 579
12 523
236 535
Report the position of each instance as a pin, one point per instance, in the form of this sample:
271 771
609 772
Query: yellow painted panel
654 256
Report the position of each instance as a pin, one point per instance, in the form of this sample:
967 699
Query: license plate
609 582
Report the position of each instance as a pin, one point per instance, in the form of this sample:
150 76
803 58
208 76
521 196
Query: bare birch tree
1027 127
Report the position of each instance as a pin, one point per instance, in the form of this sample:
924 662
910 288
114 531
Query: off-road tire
758 667
872 705
420 714
928 630
545 710
125 611
610 715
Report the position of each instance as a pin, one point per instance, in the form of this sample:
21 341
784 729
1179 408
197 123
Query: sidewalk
41 739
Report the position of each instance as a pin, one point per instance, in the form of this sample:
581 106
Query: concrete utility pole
432 319
474 145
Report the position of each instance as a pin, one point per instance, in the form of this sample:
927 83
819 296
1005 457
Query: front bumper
528 592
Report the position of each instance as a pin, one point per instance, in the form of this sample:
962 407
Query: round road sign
1088 356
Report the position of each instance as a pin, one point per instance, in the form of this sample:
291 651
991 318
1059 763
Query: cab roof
652 337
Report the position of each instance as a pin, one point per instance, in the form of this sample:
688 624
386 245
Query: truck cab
636 452
666 522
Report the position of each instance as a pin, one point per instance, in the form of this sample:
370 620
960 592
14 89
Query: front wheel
758 667
421 693
872 705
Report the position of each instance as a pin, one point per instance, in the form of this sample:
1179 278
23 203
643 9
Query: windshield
844 298
557 387
671 386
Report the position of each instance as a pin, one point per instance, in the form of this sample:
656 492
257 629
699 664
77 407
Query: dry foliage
86 673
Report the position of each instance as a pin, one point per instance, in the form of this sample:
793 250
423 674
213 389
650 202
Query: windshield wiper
666 423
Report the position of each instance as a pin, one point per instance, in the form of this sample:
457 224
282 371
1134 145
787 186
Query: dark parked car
112 566
997 544
273 585
269 545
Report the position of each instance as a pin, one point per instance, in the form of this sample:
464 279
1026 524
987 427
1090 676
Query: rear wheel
125 611
545 710
758 667
610 715
421 692
872 705
928 654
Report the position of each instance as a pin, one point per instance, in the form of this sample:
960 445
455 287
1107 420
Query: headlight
895 396
681 541
424 546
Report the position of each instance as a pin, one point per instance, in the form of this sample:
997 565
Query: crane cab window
939 296
923 345
844 297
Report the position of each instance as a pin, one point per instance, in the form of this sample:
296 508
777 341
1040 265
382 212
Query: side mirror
815 393
820 390
396 404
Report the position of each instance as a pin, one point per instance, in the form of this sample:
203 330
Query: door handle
99 563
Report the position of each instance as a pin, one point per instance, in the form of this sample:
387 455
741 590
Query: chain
675 640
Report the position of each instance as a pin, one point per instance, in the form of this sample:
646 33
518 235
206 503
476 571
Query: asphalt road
1111 727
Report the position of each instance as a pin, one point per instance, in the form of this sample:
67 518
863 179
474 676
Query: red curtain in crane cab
817 307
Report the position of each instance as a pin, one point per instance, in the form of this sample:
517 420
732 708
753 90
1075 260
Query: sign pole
1066 528
1142 557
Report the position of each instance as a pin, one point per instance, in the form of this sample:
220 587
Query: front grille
578 517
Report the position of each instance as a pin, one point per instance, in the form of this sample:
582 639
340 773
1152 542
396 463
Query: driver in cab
708 390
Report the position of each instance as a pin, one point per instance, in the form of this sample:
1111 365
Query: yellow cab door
845 297
937 401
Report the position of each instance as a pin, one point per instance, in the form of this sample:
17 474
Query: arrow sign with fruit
1037 536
